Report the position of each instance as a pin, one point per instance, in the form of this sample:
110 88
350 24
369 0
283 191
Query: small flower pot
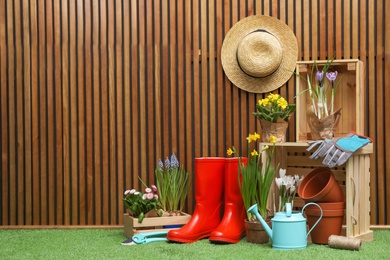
320 186
323 128
277 129
330 224
255 232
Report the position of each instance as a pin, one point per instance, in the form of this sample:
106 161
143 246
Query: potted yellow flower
274 113
255 180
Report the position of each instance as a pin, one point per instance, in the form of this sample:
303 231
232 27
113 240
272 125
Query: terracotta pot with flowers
255 180
322 84
274 114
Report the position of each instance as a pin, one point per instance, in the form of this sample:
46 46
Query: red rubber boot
209 173
232 227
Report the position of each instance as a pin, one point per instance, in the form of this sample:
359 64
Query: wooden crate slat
353 178
349 96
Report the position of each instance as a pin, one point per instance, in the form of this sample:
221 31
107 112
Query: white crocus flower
282 172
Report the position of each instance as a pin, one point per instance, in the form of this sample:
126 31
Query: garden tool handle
145 238
318 220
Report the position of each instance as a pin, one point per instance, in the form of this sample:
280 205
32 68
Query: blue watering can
288 228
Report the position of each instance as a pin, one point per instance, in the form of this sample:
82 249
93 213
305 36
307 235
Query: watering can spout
254 210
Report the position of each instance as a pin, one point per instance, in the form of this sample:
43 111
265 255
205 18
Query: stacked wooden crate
354 175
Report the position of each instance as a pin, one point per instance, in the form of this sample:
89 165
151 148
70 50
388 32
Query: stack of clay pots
321 187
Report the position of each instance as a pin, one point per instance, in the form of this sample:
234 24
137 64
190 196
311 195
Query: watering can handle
318 220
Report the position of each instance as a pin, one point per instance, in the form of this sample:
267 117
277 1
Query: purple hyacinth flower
174 161
331 76
160 164
167 164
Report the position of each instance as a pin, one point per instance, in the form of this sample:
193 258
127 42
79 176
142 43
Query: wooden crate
152 224
350 96
353 178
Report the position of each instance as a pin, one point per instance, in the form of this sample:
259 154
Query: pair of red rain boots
216 182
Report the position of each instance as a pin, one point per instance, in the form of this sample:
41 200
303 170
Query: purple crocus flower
331 76
319 76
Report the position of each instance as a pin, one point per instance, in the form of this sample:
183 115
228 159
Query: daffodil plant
255 178
273 108
288 186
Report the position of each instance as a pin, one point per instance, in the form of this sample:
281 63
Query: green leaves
255 180
173 183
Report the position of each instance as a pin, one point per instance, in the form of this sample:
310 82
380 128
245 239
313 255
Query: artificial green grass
106 244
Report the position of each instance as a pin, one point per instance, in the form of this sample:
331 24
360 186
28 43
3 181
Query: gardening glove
324 146
342 148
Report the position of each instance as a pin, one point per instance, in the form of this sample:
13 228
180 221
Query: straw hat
259 53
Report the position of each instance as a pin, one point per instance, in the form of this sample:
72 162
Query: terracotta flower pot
255 232
330 224
320 186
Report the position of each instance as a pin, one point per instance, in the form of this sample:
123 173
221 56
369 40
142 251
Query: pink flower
132 191
154 187
148 190
155 196
149 196
144 197
127 192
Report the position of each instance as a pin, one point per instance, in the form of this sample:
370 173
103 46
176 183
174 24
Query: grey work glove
338 150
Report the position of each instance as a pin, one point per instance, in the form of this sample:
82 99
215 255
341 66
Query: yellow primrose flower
229 151
282 103
263 102
272 139
273 97
254 153
256 135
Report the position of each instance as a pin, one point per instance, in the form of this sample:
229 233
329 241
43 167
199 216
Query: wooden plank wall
93 93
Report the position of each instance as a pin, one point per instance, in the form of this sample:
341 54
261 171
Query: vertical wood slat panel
88 57
112 114
50 113
42 96
81 115
370 68
4 163
11 209
379 118
59 192
106 90
96 106
386 142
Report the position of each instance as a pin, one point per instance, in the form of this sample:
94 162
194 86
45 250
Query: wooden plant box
350 96
152 224
353 178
